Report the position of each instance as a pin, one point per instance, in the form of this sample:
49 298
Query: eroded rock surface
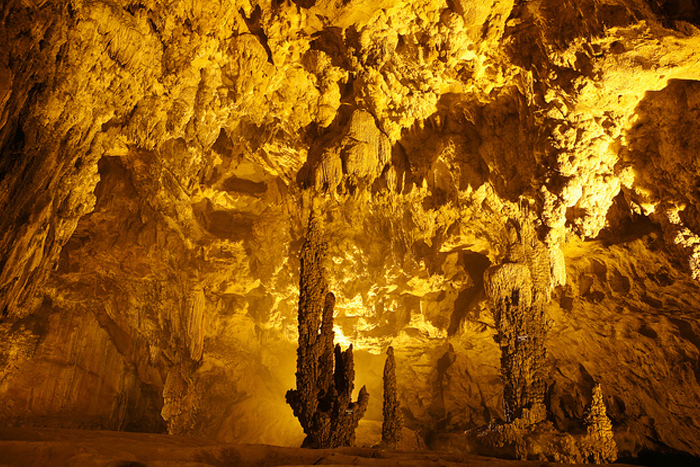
158 162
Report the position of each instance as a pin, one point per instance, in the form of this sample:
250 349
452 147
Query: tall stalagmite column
325 375
393 421
518 290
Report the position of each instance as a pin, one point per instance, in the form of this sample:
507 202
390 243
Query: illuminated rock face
158 162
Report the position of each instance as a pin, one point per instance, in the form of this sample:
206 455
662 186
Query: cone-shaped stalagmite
600 443
393 421
322 399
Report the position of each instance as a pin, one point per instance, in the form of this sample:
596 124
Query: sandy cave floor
59 447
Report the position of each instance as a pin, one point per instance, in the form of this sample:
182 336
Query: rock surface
23 447
158 162
325 376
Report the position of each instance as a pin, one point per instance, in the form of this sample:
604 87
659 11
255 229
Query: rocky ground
44 447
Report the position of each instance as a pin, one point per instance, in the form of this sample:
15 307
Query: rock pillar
325 375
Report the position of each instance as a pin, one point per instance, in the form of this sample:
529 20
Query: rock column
521 333
325 375
393 421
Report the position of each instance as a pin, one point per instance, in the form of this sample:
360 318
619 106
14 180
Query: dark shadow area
677 10
685 329
241 185
662 459
444 149
475 264
557 24
304 3
662 149
330 41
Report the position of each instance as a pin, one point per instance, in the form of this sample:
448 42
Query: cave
508 195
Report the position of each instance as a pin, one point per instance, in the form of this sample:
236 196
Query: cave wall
158 161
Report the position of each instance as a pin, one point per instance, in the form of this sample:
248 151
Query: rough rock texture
322 400
158 162
518 292
530 436
599 430
392 423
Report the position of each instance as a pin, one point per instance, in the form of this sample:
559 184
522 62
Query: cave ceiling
159 161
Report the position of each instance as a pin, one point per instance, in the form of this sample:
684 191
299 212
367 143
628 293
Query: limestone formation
518 301
391 409
600 446
322 400
526 438
157 164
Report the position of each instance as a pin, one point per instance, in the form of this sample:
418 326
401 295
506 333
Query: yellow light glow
340 338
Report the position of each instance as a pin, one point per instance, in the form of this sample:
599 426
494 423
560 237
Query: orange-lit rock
158 162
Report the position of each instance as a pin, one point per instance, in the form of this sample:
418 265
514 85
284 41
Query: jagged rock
391 409
325 375
157 162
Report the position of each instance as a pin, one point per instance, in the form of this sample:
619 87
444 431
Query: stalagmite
518 290
157 162
599 446
520 324
322 399
393 420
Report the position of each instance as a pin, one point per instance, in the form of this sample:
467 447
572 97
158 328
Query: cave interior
505 193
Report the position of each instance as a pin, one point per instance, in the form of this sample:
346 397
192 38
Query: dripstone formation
518 307
509 192
600 447
322 399
518 290
391 409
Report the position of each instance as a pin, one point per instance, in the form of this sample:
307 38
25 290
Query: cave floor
61 447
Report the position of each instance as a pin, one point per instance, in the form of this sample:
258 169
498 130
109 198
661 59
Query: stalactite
393 420
325 375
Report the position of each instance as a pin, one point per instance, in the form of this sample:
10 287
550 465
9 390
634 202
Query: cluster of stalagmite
325 375
524 439
519 289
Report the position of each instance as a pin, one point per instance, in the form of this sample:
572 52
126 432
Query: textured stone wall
158 162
